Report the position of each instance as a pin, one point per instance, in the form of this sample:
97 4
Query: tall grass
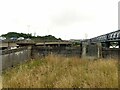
55 71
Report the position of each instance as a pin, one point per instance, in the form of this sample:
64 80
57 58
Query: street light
28 30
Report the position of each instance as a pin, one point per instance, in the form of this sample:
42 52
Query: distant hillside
17 35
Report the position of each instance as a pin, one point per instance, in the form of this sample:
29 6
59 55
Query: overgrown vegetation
55 71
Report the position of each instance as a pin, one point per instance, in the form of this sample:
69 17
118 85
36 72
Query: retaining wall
11 58
111 53
97 51
38 52
90 50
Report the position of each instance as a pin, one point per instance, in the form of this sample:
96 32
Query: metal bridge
109 37
108 40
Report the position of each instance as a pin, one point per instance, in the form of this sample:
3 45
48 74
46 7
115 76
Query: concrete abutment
91 50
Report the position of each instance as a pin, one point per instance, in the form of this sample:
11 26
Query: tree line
17 35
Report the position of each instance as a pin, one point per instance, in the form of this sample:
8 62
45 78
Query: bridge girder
112 37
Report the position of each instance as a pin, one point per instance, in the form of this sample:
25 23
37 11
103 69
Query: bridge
108 39
103 45
9 45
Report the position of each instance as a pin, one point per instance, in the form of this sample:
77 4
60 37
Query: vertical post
29 52
1 66
84 46
8 45
44 44
59 44
80 49
58 52
119 44
28 30
44 52
99 45
107 44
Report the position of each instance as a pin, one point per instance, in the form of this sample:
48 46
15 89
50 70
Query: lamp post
28 29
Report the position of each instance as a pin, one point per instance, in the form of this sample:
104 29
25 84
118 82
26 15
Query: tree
38 38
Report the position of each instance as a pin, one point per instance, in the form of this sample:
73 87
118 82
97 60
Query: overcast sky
67 19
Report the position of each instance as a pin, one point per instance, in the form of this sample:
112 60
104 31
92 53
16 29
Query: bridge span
108 40
109 37
107 45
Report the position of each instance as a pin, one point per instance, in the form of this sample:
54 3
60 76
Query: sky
66 19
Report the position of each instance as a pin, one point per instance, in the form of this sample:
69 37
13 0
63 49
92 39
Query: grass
55 71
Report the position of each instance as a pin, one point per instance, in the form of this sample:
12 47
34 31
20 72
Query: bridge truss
111 39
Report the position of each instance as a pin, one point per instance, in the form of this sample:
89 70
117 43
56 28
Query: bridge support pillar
99 51
107 44
84 49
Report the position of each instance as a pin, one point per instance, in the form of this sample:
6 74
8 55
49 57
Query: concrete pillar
107 44
8 45
29 51
84 48
80 49
59 44
99 52
44 44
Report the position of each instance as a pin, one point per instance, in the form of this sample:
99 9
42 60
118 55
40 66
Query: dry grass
61 72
